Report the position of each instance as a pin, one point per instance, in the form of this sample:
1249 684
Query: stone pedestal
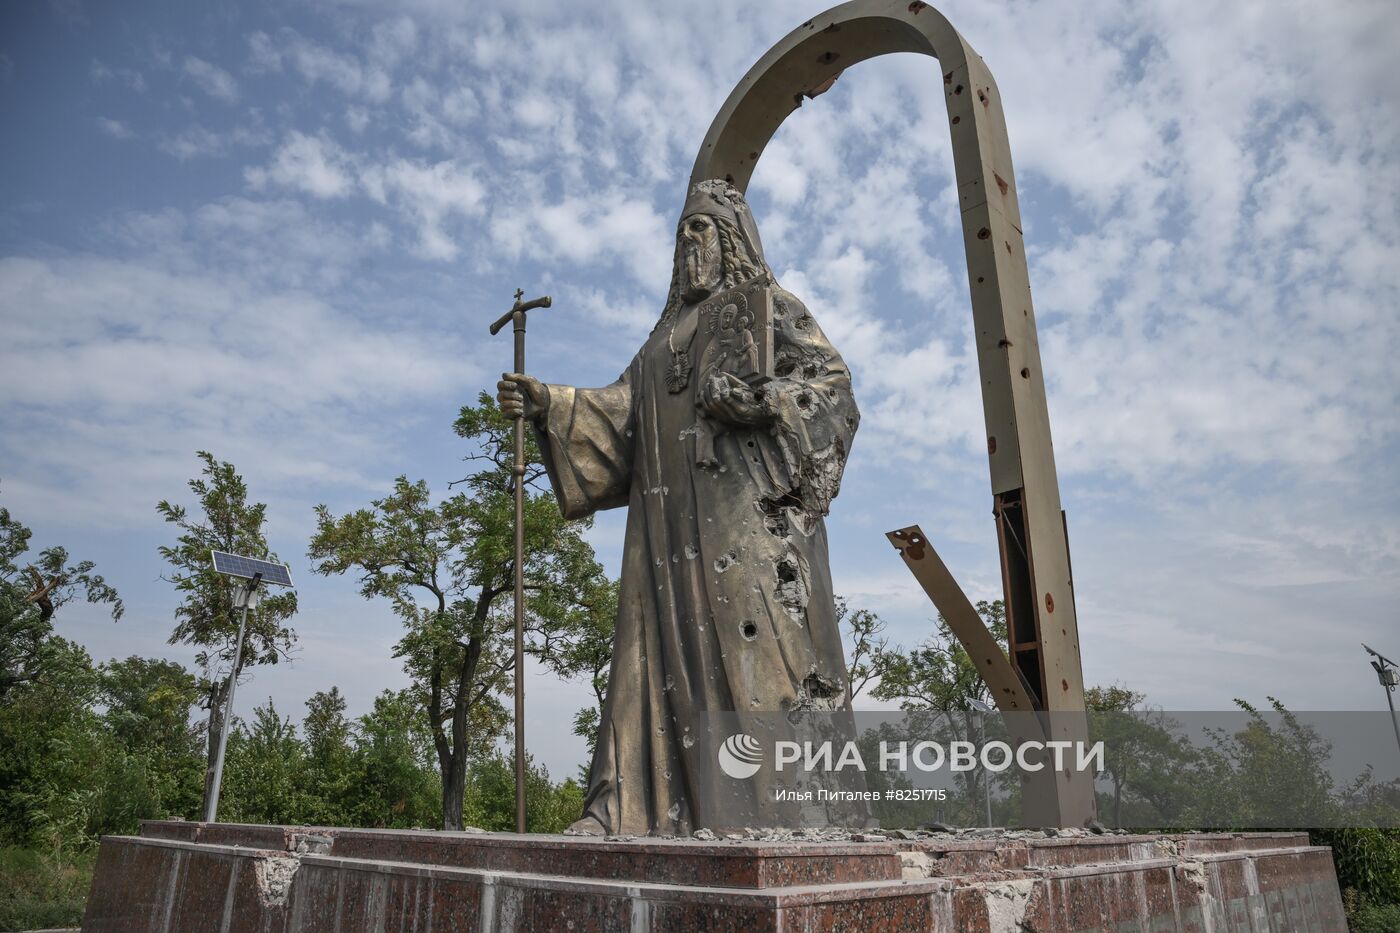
180 876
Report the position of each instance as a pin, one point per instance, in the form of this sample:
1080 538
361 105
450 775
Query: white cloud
101 73
143 361
318 64
193 142
432 195
313 164
213 80
114 128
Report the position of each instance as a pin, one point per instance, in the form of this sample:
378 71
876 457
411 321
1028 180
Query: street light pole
246 597
1389 676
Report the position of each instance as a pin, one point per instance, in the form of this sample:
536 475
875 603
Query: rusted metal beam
957 610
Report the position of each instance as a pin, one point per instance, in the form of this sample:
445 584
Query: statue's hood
718 198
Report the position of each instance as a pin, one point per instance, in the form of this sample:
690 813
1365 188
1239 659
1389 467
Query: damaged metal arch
1044 665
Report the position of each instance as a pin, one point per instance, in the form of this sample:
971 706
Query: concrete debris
1007 902
274 876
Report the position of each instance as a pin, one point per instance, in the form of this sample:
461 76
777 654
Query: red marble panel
202 891
714 918
454 904
970 911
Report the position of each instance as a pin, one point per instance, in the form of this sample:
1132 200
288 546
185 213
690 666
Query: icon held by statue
736 355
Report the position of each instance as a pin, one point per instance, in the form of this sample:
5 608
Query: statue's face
700 256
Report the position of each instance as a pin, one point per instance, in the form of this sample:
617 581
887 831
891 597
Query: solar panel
248 567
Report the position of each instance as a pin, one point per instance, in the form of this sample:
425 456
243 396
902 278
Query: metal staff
517 314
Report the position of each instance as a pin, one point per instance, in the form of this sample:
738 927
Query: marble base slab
179 876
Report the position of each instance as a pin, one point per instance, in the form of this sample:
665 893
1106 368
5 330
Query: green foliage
331 772
447 569
377 771
938 673
1146 763
1367 860
93 750
395 766
148 703
490 801
864 630
1367 914
264 771
31 593
206 618
582 647
40 890
224 521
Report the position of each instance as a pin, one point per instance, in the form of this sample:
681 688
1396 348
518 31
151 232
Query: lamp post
1389 676
253 572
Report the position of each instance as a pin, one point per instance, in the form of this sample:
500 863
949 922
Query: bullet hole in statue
775 514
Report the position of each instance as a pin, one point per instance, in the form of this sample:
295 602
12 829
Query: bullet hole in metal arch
1025 373
749 630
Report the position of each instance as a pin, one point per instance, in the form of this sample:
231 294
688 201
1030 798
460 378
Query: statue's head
717 245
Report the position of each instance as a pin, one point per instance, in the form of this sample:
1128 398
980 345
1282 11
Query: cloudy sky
278 231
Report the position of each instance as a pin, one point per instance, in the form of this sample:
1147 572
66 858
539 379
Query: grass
40 890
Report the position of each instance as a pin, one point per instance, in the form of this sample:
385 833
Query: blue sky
278 232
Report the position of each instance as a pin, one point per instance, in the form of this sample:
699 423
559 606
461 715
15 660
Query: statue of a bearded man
726 602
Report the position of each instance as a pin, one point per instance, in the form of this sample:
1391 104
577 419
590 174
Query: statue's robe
726 599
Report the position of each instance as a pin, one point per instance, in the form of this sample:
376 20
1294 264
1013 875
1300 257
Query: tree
148 703
224 520
332 778
395 757
868 644
31 594
939 674
51 749
549 807
266 768
584 649
445 568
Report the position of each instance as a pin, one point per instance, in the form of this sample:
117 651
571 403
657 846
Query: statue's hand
727 398
519 394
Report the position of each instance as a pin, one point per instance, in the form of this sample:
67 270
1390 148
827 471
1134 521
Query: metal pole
1383 667
986 774
517 315
1395 723
981 711
211 806
519 472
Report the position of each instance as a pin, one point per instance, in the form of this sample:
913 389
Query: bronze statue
726 437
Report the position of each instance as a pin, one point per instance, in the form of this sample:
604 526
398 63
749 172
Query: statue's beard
701 266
